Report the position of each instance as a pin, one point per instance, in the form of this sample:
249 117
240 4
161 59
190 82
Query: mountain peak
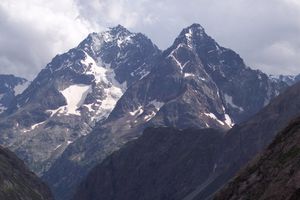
196 26
119 29
117 35
191 34
194 30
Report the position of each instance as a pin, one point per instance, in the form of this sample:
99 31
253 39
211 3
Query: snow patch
36 125
124 40
228 100
268 98
137 112
57 147
33 127
19 89
150 116
189 37
228 121
213 116
105 77
171 55
188 75
2 108
89 107
177 62
157 104
75 96
58 110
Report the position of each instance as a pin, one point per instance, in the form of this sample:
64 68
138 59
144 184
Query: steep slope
274 174
244 91
10 87
196 83
17 182
239 145
75 90
145 168
244 141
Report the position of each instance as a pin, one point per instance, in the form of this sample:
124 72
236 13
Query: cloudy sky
266 33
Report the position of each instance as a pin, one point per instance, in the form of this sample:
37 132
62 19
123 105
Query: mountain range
196 83
92 100
288 79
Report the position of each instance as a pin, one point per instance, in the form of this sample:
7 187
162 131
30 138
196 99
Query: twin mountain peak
89 101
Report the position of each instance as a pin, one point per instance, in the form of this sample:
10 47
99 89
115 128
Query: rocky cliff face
274 174
195 83
245 141
17 182
161 164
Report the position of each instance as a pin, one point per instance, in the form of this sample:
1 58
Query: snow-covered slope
72 92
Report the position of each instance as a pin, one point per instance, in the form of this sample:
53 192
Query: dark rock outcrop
17 182
273 175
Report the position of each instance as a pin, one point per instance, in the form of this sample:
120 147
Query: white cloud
34 31
265 33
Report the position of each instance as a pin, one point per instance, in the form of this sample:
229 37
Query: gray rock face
195 83
75 90
273 175
10 87
159 165
17 182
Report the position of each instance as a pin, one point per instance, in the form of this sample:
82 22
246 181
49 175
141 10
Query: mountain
142 170
274 174
72 92
160 164
17 182
244 141
196 83
289 79
10 87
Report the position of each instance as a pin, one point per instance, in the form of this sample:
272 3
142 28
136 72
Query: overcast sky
266 33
